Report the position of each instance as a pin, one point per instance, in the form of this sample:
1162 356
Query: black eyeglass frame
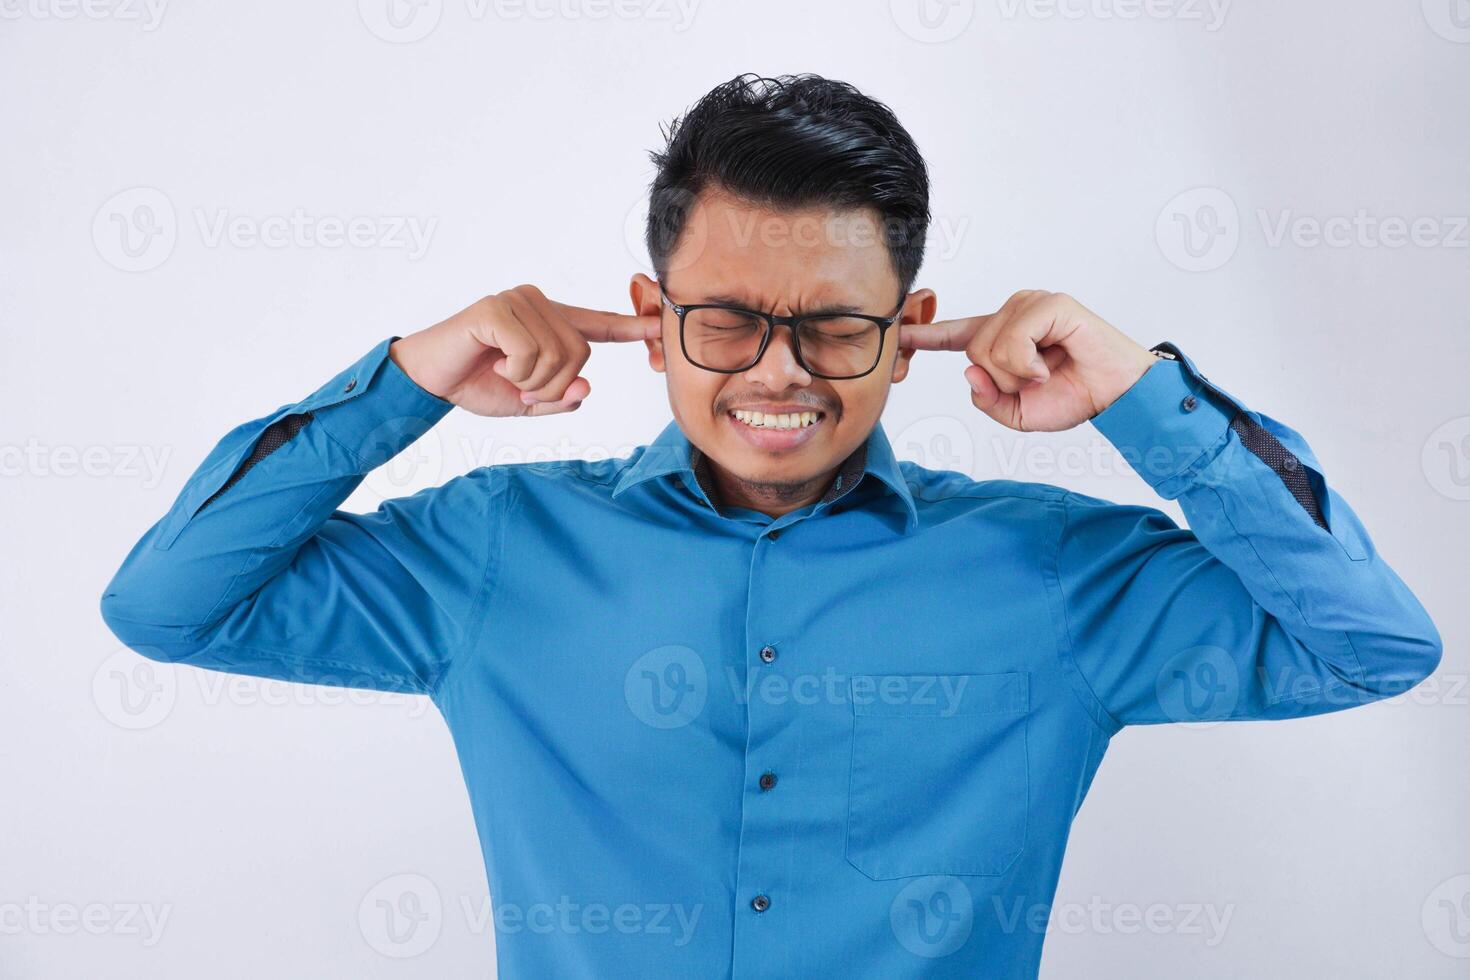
794 322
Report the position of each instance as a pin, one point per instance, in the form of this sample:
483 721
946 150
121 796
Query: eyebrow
830 309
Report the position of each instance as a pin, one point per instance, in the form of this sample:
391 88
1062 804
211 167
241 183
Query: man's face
786 263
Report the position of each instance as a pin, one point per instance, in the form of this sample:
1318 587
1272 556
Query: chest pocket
939 781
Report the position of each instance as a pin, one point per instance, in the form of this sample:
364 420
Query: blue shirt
849 741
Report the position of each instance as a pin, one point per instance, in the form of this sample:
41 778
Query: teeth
762 420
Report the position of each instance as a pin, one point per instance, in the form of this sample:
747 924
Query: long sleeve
254 570
1274 603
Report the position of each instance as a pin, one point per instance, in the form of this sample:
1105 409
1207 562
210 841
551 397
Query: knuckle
511 304
503 315
549 367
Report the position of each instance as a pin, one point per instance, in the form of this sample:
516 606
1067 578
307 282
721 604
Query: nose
778 368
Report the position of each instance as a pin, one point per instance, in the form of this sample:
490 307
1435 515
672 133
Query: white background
263 824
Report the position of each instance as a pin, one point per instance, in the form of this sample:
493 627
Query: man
804 708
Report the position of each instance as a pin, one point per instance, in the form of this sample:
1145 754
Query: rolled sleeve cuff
1166 426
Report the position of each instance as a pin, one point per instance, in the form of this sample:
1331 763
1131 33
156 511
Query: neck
724 488
772 499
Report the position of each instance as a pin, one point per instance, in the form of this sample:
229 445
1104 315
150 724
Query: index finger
606 327
941 334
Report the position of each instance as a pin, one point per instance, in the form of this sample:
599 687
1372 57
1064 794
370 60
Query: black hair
790 142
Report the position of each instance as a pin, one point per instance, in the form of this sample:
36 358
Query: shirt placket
773 663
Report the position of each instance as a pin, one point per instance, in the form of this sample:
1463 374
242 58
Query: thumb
987 396
579 389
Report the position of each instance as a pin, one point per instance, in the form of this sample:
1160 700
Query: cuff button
1190 403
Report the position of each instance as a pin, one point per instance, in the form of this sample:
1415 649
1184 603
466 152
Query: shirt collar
672 454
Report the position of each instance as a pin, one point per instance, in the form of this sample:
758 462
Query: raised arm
255 570
1273 604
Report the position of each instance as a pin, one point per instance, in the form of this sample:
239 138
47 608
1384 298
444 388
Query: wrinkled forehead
782 260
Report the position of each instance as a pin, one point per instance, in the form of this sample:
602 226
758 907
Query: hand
514 353
1043 362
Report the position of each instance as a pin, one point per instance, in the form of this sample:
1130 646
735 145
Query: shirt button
774 533
1190 403
768 653
768 781
760 903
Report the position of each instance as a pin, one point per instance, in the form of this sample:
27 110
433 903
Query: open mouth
766 420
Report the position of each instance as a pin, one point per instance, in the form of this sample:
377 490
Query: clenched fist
514 353
1043 362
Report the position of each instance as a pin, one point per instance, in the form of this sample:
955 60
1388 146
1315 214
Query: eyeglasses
729 339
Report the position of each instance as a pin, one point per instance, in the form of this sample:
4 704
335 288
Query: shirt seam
349 669
1067 644
569 471
479 605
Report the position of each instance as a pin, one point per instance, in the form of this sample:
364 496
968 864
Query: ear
920 307
645 295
